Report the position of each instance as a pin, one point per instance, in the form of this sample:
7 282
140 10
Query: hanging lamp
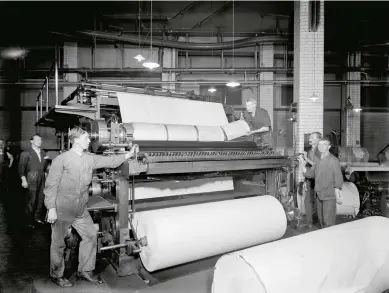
314 97
139 57
233 83
150 63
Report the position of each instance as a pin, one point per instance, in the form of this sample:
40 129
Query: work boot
62 282
88 276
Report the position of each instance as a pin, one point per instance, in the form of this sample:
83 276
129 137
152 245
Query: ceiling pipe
200 23
134 39
181 12
328 69
39 82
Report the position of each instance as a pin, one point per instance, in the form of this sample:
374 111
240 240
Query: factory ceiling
348 25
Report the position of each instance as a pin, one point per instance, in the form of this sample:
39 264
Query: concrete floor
24 262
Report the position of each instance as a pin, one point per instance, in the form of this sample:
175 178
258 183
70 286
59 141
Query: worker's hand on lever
338 196
52 216
302 160
133 153
24 182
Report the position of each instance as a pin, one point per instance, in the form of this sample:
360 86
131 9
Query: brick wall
308 74
352 121
266 92
374 131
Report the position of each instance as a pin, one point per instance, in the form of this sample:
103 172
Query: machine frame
113 200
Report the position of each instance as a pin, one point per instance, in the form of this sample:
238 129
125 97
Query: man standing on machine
66 196
260 125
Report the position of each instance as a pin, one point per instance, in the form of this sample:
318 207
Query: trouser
35 208
326 212
309 201
87 252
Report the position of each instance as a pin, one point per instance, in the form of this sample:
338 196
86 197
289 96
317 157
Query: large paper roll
182 234
182 133
210 133
348 258
350 200
145 190
167 110
149 131
236 129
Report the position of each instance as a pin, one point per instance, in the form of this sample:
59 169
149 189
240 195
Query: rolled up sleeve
52 182
338 176
107 161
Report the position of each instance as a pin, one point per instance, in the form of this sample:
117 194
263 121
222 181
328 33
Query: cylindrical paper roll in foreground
347 258
350 200
183 234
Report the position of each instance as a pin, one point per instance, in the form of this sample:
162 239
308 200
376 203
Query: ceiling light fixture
349 106
314 97
139 57
212 90
150 64
232 84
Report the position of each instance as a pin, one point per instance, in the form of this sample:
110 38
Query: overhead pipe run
200 23
113 82
135 40
246 70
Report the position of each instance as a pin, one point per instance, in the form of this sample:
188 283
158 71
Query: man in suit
31 171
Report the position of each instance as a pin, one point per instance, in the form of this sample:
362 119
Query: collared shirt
38 154
29 162
70 175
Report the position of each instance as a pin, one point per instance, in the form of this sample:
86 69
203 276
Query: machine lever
142 242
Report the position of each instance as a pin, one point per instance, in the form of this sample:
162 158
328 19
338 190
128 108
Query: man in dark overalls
31 171
260 124
312 157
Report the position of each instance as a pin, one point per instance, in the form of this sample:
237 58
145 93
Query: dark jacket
29 163
328 176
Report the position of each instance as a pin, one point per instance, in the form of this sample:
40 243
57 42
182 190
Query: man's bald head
314 138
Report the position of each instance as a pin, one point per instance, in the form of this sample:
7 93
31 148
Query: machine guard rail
46 85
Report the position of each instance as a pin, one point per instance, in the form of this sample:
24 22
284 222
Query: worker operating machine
192 192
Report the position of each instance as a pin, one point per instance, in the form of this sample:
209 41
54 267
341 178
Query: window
286 95
374 96
223 94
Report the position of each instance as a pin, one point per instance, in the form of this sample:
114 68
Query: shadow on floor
23 251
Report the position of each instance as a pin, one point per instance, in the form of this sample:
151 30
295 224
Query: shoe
62 282
88 276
